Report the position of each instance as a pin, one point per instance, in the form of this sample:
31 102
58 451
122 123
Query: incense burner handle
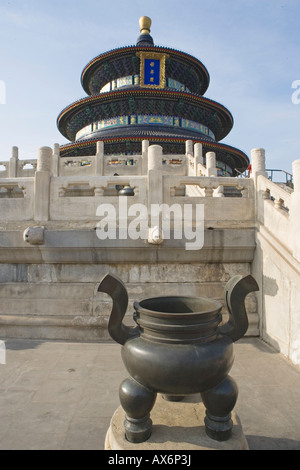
235 292
114 287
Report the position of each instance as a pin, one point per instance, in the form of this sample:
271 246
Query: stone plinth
176 426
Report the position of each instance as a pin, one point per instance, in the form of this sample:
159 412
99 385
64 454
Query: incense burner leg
219 402
137 402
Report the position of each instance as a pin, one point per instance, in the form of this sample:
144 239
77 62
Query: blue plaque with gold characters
152 72
152 69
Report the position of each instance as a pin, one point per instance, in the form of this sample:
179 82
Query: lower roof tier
231 157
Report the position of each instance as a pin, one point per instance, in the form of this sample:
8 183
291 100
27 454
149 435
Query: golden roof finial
145 24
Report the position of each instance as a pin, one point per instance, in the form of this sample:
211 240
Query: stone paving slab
62 396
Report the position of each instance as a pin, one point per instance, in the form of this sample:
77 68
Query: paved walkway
58 395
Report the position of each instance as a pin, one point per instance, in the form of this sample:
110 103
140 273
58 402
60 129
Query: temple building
148 92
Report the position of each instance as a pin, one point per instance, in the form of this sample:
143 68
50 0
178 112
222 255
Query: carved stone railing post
258 163
145 146
198 154
55 160
189 149
155 187
211 164
42 184
155 181
189 158
99 167
13 163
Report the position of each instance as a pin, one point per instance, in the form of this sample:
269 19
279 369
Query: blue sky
250 48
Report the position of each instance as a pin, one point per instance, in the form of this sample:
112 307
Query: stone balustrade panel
273 210
203 190
4 173
84 165
78 198
123 165
16 199
26 168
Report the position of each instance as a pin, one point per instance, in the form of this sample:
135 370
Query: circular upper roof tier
145 101
124 61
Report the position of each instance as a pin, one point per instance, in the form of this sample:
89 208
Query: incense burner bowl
178 347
